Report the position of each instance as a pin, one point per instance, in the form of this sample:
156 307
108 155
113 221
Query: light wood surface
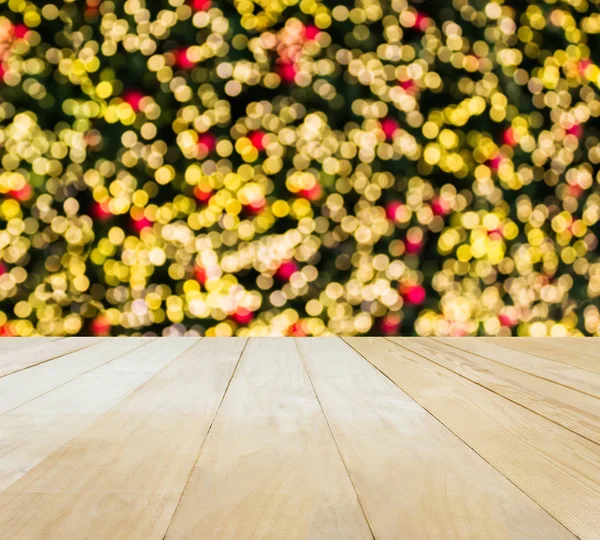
407 467
29 433
574 410
18 359
555 467
130 465
16 344
27 384
280 438
269 467
538 365
582 353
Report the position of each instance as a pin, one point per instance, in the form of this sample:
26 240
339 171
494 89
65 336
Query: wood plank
29 433
587 341
23 386
19 343
14 361
269 467
415 479
573 377
571 409
123 477
558 469
574 352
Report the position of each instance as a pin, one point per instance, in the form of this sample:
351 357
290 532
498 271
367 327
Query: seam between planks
460 438
491 390
522 370
307 369
48 359
512 348
77 377
50 339
206 436
110 408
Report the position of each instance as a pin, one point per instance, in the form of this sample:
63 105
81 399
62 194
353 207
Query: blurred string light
284 167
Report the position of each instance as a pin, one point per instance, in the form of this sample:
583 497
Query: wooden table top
327 438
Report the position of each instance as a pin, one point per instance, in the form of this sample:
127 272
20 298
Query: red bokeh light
133 97
414 294
389 126
243 316
286 270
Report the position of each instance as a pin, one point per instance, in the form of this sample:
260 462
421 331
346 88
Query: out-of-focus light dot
280 208
81 283
23 309
164 174
430 130
538 329
104 89
32 19
157 256
224 148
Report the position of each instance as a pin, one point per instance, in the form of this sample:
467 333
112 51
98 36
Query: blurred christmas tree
299 168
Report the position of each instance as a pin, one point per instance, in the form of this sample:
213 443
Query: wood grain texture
415 479
8 344
556 468
580 353
573 377
571 409
123 477
172 438
16 360
269 467
25 385
29 433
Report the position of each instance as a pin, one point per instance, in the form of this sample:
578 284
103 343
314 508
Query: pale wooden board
269 467
29 433
123 477
555 467
573 377
415 479
13 361
18 343
586 341
574 352
571 409
23 386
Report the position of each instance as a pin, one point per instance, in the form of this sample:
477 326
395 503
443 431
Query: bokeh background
285 167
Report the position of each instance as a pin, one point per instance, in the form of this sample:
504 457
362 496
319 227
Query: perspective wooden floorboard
309 438
270 466
16 360
412 474
573 410
573 352
16 344
30 432
27 384
535 364
555 467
